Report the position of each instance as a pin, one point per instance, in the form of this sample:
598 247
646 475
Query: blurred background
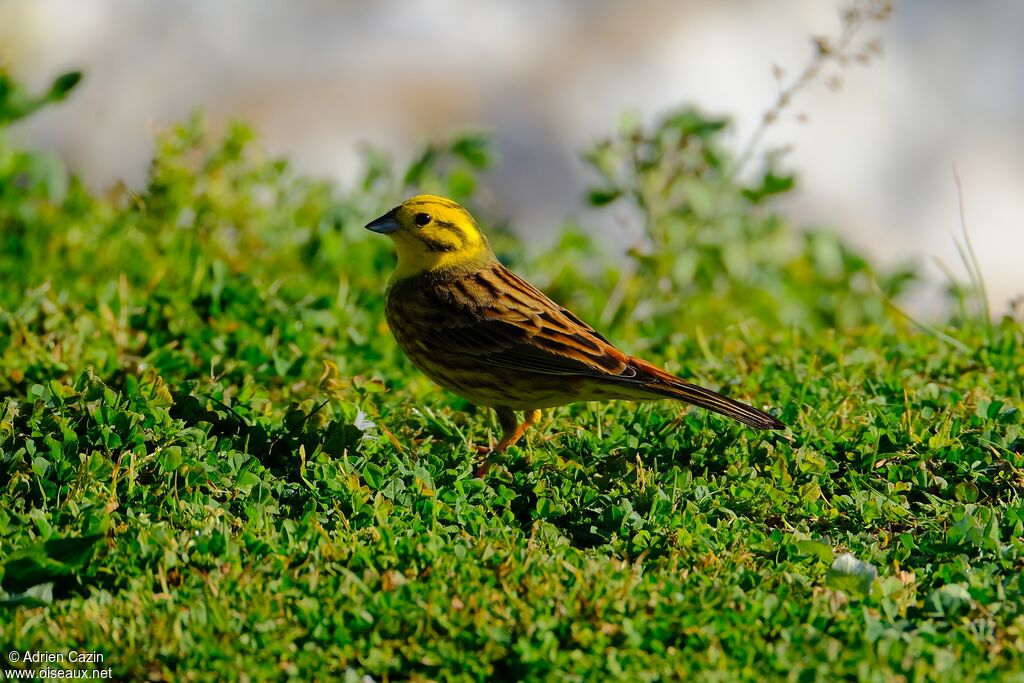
320 79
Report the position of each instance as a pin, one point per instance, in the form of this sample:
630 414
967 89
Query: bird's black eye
422 219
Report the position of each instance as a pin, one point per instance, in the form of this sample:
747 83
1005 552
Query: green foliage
16 103
213 459
715 241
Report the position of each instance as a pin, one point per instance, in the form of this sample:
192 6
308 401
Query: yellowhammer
478 329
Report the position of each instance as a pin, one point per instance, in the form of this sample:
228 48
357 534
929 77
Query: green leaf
373 476
771 184
44 562
63 85
819 550
851 575
601 197
474 149
39 595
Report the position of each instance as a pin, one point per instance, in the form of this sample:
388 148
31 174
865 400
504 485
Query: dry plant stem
971 258
853 20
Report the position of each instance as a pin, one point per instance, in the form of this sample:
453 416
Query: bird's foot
482 460
482 469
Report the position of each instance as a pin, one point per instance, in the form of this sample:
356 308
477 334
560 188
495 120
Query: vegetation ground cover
215 462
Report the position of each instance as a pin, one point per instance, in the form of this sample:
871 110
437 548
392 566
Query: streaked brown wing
497 318
490 316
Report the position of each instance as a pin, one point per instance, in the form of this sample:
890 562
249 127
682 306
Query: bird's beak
385 225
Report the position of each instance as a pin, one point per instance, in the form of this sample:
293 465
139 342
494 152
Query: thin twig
853 20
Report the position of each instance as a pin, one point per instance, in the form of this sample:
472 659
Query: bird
484 333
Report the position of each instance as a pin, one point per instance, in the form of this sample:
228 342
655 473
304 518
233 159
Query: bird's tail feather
670 386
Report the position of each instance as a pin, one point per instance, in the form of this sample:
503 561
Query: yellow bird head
432 233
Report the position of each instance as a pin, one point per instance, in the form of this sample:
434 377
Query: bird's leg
511 431
508 422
